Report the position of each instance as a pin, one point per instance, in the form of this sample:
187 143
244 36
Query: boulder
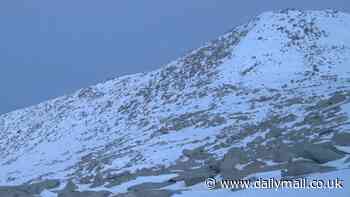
347 160
194 176
70 186
197 176
148 186
10 192
28 190
98 180
282 154
119 178
197 153
37 188
342 139
233 157
319 153
299 168
70 191
85 194
146 193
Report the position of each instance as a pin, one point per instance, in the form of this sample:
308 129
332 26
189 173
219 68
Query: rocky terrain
269 95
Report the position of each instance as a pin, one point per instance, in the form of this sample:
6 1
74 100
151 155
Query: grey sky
50 48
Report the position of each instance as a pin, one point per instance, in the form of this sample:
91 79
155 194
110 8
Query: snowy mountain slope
269 95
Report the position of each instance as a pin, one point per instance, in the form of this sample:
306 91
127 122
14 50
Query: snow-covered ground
269 82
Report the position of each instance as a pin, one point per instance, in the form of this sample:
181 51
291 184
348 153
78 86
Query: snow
344 148
340 163
346 108
50 139
270 71
250 138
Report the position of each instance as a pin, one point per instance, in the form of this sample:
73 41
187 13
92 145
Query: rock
149 186
233 157
194 176
89 92
70 186
254 166
335 99
119 178
214 165
198 176
282 154
11 192
85 194
69 191
37 188
147 193
342 139
86 179
274 132
98 180
299 168
198 153
28 190
320 153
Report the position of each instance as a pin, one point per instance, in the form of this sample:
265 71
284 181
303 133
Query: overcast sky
49 48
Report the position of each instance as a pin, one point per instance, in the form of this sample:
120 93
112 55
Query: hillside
269 95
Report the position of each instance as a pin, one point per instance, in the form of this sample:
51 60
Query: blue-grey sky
49 48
